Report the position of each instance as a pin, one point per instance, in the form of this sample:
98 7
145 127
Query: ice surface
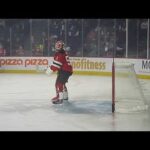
25 105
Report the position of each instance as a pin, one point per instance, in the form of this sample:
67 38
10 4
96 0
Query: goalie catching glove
48 71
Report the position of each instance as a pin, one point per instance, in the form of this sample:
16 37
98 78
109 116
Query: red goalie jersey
61 62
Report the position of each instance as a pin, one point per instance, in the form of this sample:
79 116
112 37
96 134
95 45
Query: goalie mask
59 45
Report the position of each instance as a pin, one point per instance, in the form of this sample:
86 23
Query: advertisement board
80 64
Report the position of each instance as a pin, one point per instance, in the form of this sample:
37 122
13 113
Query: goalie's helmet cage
59 45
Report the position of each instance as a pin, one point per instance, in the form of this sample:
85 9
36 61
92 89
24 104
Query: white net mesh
129 96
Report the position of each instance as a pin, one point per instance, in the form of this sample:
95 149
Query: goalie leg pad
59 87
65 92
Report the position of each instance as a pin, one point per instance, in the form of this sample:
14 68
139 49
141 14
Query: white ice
25 105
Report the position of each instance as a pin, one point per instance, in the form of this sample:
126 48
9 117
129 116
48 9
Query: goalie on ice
62 65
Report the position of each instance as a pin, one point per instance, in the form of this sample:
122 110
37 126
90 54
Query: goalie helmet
59 45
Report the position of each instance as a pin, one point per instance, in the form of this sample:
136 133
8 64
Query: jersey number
67 60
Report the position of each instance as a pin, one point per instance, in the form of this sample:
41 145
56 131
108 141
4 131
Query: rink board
81 65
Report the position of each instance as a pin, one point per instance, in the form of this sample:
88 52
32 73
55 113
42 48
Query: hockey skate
58 99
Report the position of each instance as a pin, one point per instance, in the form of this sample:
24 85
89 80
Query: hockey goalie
62 66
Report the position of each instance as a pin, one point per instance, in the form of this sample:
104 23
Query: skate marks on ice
24 106
67 107
83 107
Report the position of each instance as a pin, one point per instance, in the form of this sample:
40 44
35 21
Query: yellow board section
19 71
143 77
94 73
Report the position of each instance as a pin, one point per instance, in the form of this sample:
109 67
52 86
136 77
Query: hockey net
127 93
